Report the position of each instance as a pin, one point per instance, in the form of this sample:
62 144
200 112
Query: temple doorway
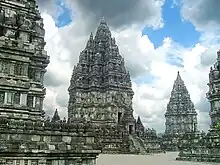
130 129
119 116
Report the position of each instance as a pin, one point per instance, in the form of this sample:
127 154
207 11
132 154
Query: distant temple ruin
202 146
181 116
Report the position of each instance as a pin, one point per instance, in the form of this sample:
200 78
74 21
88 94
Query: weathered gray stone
25 136
181 117
206 147
100 95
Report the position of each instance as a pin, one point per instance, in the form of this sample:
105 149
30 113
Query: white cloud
192 58
204 14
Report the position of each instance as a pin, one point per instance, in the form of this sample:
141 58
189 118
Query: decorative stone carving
205 147
24 129
11 34
17 98
102 93
10 17
181 117
2 97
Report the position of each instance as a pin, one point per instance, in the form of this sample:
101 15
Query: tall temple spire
103 32
56 116
139 120
101 69
90 42
139 127
100 91
179 82
178 75
103 21
180 115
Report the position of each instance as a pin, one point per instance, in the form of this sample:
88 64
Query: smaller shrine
206 147
181 116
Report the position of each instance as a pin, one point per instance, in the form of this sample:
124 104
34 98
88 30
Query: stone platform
46 143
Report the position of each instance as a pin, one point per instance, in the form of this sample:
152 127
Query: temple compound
25 137
206 147
181 117
100 93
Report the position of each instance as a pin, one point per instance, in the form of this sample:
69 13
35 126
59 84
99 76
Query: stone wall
38 143
170 142
200 147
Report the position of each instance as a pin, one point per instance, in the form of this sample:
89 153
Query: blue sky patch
64 14
174 60
148 79
182 32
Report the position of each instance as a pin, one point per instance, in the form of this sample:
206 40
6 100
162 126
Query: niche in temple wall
30 101
19 69
216 104
13 98
10 17
23 36
2 97
4 67
17 98
35 75
38 103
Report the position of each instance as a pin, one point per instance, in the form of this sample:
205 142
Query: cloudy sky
156 37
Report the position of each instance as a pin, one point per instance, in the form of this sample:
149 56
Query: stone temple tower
22 60
213 93
25 138
205 147
181 116
100 88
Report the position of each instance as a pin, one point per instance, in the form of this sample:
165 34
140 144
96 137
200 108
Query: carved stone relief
19 69
30 101
2 97
10 17
17 98
4 66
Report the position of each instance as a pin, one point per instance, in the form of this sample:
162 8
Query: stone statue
10 17
17 98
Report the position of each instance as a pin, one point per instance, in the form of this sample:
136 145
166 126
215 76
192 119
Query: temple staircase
138 144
